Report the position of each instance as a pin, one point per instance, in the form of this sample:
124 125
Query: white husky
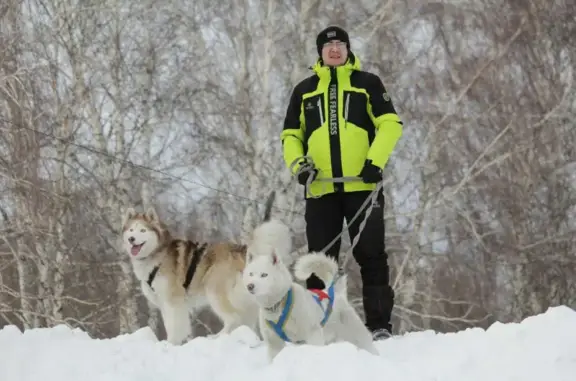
288 312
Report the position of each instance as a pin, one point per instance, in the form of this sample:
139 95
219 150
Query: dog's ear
128 214
151 214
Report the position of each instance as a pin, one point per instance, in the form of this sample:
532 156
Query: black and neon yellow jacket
340 117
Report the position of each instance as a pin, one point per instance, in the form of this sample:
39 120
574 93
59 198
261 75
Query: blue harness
318 295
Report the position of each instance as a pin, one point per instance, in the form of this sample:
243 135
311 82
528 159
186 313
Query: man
343 119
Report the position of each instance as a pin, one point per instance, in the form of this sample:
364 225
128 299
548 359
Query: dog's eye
142 230
251 274
263 275
131 229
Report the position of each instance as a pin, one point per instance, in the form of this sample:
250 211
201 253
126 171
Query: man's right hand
303 177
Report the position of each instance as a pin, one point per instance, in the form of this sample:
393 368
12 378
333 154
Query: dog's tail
268 208
325 268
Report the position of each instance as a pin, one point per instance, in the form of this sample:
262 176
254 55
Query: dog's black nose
131 239
250 287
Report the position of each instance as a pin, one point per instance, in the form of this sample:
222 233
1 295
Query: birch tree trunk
24 158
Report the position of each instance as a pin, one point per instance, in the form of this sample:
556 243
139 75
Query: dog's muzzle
135 249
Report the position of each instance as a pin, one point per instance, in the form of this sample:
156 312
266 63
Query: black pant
324 221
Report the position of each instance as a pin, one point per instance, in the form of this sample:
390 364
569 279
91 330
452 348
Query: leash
307 165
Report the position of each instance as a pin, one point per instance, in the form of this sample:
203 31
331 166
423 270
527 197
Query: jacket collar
352 64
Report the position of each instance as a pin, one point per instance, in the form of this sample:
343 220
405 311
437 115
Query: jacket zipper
346 105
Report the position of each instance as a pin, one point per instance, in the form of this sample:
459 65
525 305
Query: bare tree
106 105
114 103
491 128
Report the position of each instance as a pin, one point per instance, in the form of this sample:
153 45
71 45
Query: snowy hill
540 348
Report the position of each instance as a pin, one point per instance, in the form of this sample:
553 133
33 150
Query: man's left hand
371 173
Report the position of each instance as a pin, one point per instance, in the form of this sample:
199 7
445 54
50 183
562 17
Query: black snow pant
324 221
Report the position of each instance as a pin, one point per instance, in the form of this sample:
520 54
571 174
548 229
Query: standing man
343 118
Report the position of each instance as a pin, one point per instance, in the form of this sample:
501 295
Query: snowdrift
541 348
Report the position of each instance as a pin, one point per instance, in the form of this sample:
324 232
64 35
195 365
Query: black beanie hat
330 34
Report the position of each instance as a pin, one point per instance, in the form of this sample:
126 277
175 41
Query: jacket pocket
314 115
356 112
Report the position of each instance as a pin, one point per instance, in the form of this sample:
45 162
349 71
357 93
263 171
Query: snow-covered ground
541 348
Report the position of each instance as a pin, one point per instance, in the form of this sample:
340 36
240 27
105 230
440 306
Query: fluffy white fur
271 236
267 278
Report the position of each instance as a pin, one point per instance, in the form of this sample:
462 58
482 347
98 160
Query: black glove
303 177
371 173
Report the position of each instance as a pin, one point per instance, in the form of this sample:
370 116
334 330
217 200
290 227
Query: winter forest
107 104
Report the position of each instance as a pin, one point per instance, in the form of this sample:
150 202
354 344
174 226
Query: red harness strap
321 294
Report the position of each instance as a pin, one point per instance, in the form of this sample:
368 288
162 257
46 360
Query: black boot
378 303
381 334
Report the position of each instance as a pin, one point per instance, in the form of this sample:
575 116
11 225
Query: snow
539 348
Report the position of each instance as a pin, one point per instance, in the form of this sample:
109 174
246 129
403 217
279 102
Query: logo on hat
331 34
